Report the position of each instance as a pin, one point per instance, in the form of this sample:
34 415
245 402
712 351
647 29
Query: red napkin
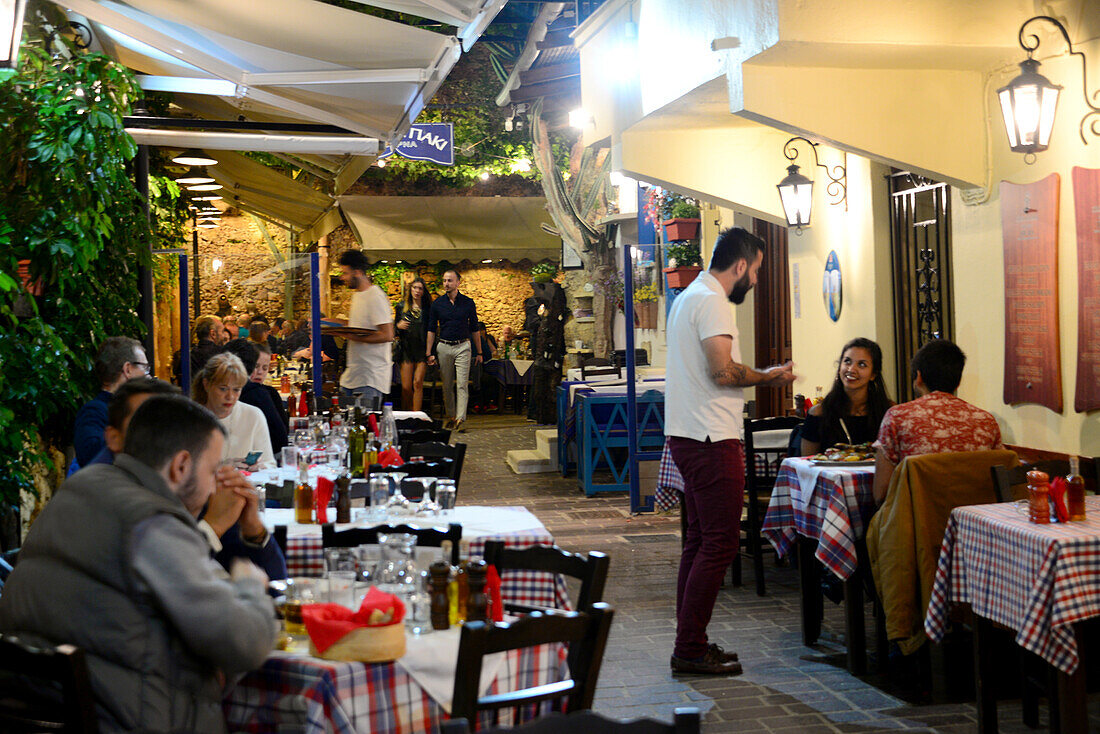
321 497
492 588
1058 496
390 457
328 623
373 420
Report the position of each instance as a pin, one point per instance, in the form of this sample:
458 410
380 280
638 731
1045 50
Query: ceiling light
207 224
216 264
796 191
207 197
194 157
485 262
484 176
521 165
579 118
194 176
381 162
204 187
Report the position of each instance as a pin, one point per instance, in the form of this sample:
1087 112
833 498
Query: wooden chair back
279 534
421 435
1010 483
435 450
585 633
597 366
44 688
425 537
686 720
591 571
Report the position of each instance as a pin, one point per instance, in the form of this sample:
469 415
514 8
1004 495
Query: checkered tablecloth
834 509
307 695
670 483
1036 579
305 557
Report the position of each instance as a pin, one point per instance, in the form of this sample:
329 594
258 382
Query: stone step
528 461
547 439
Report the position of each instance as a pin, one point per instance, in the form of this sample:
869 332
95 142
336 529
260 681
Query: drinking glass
341 559
298 592
379 497
342 588
445 494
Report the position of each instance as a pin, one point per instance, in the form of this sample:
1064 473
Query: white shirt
369 364
247 431
695 407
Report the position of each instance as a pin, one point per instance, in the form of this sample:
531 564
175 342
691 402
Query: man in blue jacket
119 359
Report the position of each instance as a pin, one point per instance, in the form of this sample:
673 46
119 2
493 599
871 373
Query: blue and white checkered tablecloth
1035 579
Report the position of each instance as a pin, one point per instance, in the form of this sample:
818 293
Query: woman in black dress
411 324
853 409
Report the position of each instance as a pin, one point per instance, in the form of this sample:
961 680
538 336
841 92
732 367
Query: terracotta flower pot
682 276
681 229
645 314
36 288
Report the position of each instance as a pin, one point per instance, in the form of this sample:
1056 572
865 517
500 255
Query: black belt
455 342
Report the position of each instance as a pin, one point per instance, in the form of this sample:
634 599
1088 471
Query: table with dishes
1040 580
824 508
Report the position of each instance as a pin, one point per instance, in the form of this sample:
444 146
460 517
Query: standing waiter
703 407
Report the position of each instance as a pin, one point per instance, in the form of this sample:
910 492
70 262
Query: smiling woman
218 386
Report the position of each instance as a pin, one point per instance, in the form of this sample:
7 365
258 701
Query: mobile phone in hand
252 458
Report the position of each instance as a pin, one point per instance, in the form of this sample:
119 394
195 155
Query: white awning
262 190
451 228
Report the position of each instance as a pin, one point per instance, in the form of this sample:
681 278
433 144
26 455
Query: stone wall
236 261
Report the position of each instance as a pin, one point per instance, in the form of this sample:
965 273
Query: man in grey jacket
116 565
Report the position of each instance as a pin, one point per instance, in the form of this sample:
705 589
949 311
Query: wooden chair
585 633
279 534
591 571
422 435
686 721
596 366
425 537
1009 483
415 424
434 450
44 688
761 471
279 495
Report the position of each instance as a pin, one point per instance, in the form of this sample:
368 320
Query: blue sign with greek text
429 141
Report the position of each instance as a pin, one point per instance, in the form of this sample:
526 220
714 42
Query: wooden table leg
984 675
1070 715
854 629
809 582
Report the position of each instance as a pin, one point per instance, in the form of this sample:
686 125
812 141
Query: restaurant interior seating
434 451
431 537
597 366
44 688
591 571
761 471
584 632
686 720
641 357
1011 483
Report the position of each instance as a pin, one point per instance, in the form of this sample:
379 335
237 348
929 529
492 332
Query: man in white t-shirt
370 358
703 405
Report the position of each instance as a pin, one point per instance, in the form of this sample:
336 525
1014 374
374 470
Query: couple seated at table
117 565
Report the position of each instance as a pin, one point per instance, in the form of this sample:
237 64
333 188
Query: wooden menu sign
1029 225
1086 205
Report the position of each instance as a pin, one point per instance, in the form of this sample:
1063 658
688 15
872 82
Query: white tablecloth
476 521
574 373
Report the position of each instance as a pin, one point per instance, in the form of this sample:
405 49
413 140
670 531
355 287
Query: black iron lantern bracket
1029 42
837 188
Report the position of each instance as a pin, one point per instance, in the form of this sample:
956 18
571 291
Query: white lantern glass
1028 106
796 195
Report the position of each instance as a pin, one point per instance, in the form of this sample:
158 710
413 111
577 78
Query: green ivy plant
544 272
684 253
67 207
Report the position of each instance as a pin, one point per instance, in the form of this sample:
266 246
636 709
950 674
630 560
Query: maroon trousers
714 489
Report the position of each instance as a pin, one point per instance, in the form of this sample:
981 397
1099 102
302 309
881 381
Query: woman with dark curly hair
853 409
411 327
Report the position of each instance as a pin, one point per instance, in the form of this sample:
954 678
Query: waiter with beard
703 409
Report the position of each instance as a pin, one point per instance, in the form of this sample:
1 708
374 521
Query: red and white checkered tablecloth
835 511
305 557
1036 579
308 695
670 483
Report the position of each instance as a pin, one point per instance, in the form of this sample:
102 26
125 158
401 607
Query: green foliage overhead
69 210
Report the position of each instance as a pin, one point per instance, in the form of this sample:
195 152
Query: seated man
119 359
231 522
936 421
116 565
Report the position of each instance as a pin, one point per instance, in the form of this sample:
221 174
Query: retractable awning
451 228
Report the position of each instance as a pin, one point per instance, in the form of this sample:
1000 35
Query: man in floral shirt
936 421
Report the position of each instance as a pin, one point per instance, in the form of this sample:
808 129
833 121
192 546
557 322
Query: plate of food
843 454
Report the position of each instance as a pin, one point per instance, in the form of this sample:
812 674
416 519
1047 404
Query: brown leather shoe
729 657
709 664
449 424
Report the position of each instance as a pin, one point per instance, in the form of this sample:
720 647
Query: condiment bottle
1038 497
477 604
452 582
440 573
1075 490
463 591
343 497
303 404
303 497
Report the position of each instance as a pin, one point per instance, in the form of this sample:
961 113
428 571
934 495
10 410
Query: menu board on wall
1086 205
1029 225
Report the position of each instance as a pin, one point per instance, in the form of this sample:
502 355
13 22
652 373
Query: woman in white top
218 386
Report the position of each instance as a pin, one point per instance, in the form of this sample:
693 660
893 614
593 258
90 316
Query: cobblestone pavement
780 689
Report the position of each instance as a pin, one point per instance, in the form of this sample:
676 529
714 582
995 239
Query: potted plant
683 220
544 272
645 307
684 264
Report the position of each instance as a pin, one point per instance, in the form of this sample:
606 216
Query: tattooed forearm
733 375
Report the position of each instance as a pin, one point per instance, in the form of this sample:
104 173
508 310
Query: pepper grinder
477 605
440 572
343 498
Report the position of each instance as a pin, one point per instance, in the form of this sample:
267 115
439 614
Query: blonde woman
218 386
